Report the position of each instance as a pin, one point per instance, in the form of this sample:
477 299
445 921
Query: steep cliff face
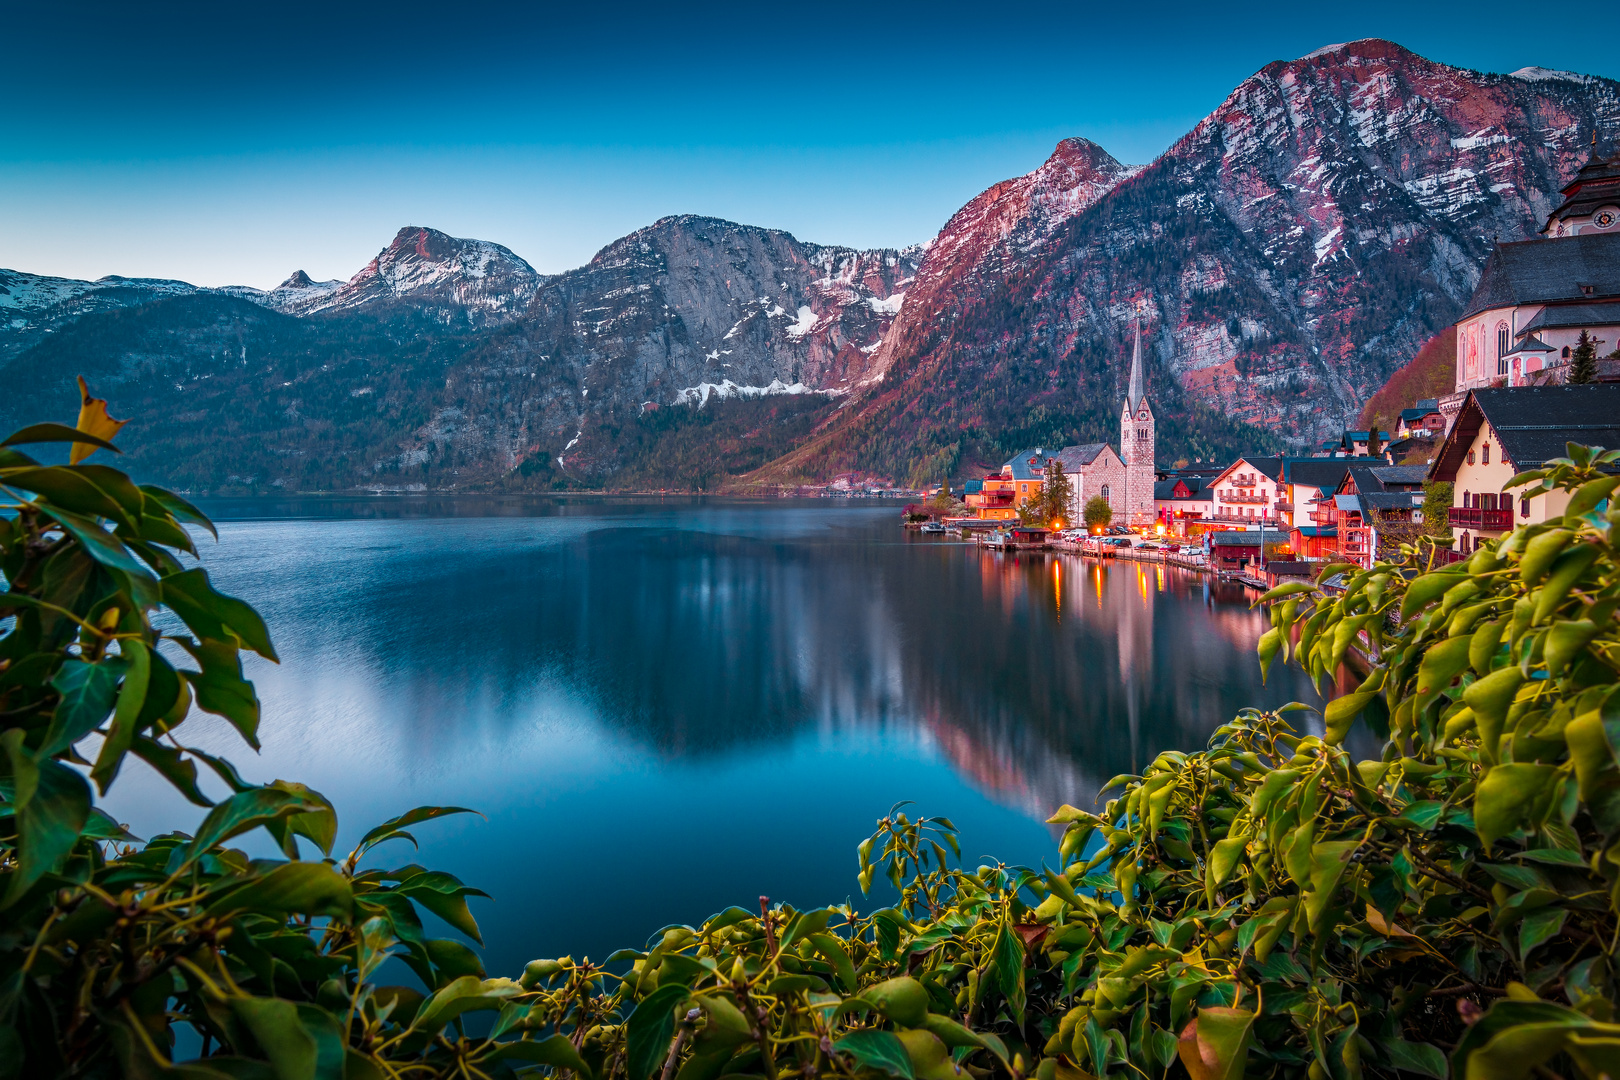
1285 256
680 312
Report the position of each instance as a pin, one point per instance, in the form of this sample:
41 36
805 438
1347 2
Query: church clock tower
1136 444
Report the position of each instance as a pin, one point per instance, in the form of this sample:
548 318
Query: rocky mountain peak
298 280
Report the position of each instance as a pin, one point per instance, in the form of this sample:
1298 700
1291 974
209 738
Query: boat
933 527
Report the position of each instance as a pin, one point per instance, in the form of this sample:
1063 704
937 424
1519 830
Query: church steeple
1133 394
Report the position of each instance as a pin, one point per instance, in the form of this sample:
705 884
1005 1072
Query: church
1535 297
1124 478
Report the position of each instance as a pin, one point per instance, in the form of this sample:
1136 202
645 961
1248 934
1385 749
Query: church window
1105 491
1566 352
1503 347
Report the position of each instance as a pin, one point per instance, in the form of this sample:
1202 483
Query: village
1536 368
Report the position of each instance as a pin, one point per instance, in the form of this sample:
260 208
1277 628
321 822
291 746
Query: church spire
1134 395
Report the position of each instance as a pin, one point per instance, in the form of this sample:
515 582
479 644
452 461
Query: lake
662 707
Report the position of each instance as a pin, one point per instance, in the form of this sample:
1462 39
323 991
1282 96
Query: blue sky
228 143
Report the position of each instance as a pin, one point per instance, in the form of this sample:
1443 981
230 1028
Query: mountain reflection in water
666 707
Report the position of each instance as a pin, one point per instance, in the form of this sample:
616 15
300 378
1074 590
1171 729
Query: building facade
1136 449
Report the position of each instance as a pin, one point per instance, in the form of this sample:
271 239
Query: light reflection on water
667 707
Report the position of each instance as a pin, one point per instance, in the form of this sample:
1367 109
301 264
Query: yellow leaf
93 420
1376 920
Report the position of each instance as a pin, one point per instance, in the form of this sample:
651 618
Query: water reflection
671 706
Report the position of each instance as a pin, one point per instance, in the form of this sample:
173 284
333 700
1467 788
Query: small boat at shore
933 527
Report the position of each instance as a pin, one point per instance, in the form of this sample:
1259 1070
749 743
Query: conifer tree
1583 361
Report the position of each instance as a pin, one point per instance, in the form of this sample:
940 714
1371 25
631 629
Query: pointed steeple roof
1134 395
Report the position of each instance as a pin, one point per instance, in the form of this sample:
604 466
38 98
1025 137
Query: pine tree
1583 361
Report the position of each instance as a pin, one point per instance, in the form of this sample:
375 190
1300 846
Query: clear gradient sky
230 143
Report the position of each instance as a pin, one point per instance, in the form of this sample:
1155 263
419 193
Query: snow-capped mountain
426 270
1288 253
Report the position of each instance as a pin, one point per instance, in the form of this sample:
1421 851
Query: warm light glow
1159 529
1057 524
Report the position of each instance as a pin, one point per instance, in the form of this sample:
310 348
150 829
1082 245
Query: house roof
1419 411
1350 503
1323 473
1392 476
1365 479
1574 316
1317 530
1166 489
1027 464
1245 538
1391 500
1549 271
1533 423
1269 467
1076 457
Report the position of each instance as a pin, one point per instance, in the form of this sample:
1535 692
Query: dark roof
1533 423
1429 403
1317 530
1392 476
1166 489
1324 473
1533 344
1245 537
1366 480
1293 567
1391 500
1269 467
1074 457
1544 271
1596 184
1021 467
1574 316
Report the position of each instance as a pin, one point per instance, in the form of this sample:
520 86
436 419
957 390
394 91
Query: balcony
1468 517
1242 481
1241 497
1283 506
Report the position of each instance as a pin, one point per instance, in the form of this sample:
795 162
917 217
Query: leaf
318 824
1341 712
649 1030
1223 859
466 994
1539 927
98 543
178 508
1215 1044
220 687
832 950
173 766
877 1050
1421 1058
70 489
1426 589
93 421
1425 814
1441 663
445 896
391 829
87 693
56 433
1007 970
50 814
301 1042
307 888
212 614
1564 640
244 811
554 1050
1510 796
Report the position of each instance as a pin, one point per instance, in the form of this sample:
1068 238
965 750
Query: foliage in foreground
1267 907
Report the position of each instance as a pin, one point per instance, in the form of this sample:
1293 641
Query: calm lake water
665 707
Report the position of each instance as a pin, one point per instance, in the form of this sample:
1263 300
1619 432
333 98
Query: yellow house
1500 433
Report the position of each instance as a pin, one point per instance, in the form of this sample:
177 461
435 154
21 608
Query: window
1566 352
1105 491
1485 454
1503 347
1467 500
1470 457
1489 502
1524 507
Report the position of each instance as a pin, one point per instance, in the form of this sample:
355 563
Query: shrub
1097 513
1265 907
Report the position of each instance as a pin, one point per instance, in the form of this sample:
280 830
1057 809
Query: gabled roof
1574 316
1166 489
1022 469
1533 344
1323 473
1420 410
1549 271
1391 500
1532 423
1394 476
1597 184
1075 457
1246 537
1365 479
1269 467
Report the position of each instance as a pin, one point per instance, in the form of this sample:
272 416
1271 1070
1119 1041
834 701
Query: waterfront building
1499 433
1136 445
1248 492
1181 500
